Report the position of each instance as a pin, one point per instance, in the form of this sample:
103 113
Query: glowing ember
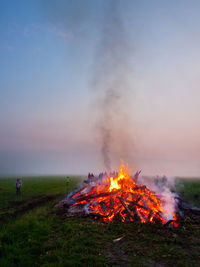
119 197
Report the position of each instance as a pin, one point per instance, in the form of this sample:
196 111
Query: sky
49 53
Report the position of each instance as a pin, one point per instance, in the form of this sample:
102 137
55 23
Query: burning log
92 197
104 207
168 223
111 203
126 208
135 203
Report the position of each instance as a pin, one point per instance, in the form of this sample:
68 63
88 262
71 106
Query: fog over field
85 84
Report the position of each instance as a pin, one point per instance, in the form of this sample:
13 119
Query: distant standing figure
67 182
18 186
92 177
136 176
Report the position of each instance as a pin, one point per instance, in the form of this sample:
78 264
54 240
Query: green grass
39 237
32 187
189 189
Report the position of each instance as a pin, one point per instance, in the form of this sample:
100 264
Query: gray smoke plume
110 81
111 68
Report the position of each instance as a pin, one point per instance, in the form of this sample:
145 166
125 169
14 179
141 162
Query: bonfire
119 196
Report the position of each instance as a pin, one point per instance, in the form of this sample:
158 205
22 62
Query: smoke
110 77
162 186
111 69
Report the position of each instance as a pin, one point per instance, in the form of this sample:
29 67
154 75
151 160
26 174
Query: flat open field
31 234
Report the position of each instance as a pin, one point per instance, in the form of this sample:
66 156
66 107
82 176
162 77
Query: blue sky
47 107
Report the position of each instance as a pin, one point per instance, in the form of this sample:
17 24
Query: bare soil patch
19 207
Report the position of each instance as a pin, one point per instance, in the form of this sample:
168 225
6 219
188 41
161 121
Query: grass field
31 234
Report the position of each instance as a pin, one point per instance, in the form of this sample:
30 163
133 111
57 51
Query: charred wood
126 208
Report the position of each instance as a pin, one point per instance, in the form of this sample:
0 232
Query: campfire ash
120 197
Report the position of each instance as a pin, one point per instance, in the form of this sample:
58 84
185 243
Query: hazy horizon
49 112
